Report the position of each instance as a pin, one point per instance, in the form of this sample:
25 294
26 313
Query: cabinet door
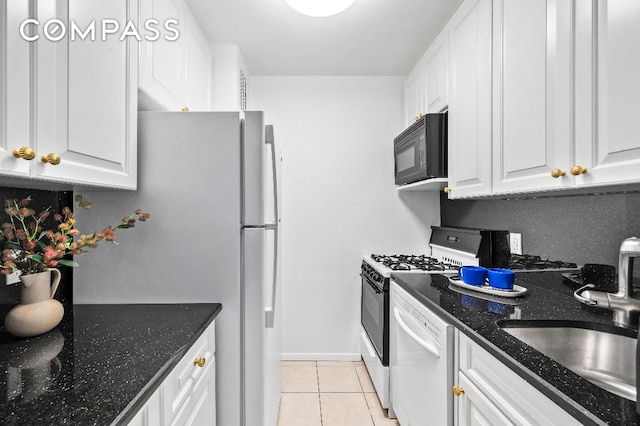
197 90
512 395
150 413
475 409
86 96
470 100
202 408
436 69
532 120
414 94
161 61
15 90
608 91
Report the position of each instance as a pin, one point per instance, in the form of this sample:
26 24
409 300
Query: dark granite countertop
549 297
99 365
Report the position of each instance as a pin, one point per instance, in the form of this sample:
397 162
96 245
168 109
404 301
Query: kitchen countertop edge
143 396
572 407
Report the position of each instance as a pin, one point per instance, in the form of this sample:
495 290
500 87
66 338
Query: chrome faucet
624 304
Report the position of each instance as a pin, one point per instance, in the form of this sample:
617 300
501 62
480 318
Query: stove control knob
447 189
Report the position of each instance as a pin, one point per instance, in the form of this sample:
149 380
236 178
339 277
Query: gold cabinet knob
419 116
199 361
457 391
447 189
578 170
51 158
556 173
185 109
25 153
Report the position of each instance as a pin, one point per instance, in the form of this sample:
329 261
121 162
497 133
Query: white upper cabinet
414 99
15 90
607 92
161 60
470 100
69 98
86 97
548 100
532 117
426 86
436 70
175 69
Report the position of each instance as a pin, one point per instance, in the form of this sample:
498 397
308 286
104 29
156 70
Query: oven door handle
375 287
428 346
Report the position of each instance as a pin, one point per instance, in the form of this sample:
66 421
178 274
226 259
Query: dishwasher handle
426 345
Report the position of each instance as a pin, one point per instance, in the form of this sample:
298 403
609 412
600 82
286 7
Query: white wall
339 201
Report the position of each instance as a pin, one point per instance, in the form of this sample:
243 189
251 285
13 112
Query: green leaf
66 262
35 257
14 246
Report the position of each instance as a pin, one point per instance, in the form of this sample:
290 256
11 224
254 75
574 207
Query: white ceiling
372 37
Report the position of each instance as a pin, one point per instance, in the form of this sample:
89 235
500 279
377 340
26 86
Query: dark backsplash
580 228
9 294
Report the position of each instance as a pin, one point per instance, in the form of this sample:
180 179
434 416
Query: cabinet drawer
199 408
518 400
179 386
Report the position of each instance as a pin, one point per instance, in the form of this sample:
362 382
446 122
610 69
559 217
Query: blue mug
501 278
473 275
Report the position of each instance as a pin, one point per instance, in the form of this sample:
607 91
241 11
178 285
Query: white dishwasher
421 363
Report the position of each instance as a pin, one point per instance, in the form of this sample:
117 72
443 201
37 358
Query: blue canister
473 275
501 278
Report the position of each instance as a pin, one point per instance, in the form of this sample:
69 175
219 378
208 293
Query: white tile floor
328 393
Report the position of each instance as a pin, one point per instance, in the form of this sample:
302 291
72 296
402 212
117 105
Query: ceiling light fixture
319 8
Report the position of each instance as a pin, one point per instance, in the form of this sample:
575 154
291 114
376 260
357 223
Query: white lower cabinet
491 393
187 396
150 413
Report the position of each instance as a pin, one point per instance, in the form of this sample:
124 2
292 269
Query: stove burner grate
528 261
412 262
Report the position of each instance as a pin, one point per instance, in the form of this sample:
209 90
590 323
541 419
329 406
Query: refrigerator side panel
189 250
253 147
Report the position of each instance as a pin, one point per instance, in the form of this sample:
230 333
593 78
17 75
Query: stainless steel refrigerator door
261 272
254 332
262 345
254 150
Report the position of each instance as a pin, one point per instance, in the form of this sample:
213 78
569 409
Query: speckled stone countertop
549 297
99 366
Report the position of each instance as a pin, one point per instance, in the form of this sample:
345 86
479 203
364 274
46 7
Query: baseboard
321 357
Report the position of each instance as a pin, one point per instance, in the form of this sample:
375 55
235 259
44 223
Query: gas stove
427 264
454 247
403 262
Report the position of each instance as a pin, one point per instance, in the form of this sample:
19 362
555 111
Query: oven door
375 317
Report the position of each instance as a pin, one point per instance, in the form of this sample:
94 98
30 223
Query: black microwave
420 152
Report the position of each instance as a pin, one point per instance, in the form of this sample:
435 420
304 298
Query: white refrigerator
212 183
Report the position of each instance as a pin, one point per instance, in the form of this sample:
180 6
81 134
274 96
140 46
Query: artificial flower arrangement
30 249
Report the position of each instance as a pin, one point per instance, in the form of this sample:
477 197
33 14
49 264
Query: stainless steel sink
604 355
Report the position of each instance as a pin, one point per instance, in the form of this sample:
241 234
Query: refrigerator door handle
269 311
